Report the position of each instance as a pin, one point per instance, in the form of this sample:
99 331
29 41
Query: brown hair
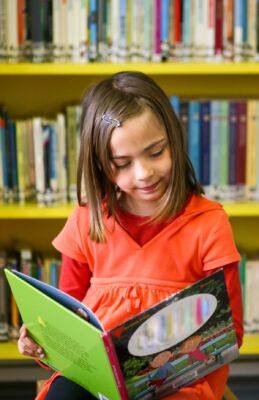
122 96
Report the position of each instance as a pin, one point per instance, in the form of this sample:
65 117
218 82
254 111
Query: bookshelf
31 89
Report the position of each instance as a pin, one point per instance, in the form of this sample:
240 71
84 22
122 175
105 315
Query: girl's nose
143 170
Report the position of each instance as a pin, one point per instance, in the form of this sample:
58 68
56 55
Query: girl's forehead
140 131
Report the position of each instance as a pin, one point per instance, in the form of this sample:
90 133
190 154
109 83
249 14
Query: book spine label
118 376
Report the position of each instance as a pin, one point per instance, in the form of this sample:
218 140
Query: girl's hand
27 346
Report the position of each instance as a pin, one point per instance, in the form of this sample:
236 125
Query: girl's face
141 162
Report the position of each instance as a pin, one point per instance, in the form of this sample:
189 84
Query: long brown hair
121 96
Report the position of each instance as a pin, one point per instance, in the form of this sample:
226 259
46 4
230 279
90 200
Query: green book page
72 345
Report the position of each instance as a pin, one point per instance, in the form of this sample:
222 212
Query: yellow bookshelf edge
167 68
31 211
9 351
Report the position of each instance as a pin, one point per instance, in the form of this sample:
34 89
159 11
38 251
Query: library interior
203 53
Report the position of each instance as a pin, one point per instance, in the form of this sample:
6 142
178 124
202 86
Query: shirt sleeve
74 277
70 239
217 242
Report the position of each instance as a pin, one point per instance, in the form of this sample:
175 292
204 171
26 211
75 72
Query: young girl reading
145 230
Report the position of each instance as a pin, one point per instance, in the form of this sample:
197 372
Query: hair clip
111 121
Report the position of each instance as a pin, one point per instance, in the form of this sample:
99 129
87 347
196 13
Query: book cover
168 346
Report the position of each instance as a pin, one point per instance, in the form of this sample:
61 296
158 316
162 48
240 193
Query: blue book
13 160
92 23
194 137
175 101
165 29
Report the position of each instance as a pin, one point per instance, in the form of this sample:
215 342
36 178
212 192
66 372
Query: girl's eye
121 166
157 153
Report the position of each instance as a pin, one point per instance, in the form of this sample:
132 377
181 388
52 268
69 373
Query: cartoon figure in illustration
192 349
163 369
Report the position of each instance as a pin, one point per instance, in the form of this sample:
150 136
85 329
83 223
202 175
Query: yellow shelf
9 351
34 212
247 209
149 68
31 211
250 345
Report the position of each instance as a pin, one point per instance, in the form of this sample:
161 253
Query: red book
219 28
177 26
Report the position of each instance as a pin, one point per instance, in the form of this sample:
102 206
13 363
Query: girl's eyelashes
157 153
121 166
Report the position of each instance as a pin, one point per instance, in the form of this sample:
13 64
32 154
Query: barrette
111 121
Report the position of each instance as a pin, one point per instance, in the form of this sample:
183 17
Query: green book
170 345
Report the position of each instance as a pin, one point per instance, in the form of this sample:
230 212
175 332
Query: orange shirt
125 278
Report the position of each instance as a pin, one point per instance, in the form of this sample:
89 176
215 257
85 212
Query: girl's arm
74 277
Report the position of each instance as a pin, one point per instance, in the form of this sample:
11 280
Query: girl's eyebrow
150 146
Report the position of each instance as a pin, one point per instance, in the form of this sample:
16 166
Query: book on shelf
170 345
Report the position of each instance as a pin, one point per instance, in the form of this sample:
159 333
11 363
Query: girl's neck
143 209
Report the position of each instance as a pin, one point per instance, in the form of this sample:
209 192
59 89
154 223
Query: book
172 344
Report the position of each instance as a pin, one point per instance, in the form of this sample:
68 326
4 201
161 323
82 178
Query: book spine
232 179
211 30
147 7
4 321
37 29
184 119
118 376
12 31
122 43
93 45
164 29
62 158
251 29
251 147
219 29
224 150
241 148
214 149
177 29
157 31
2 31
205 143
238 30
228 29
194 136
39 160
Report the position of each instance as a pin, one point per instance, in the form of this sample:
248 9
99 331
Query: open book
170 345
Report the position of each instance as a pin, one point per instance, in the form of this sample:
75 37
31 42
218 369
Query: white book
61 158
115 21
63 30
210 34
251 28
12 45
148 24
2 31
73 30
39 160
200 16
83 26
56 30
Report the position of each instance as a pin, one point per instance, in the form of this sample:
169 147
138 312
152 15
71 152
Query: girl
145 230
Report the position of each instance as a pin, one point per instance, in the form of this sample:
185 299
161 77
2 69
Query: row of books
128 30
222 140
44 268
38 156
